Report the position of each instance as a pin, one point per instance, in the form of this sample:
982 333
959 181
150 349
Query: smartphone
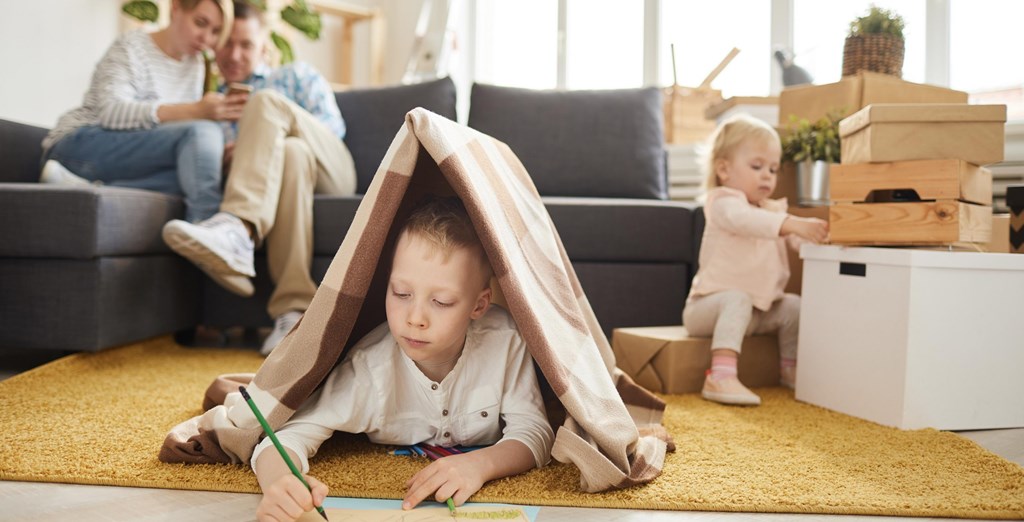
238 88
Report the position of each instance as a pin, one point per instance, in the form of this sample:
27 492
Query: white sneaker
57 174
282 325
220 246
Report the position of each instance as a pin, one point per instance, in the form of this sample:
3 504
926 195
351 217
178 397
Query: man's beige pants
283 155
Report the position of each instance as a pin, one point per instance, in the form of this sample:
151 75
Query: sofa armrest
20 151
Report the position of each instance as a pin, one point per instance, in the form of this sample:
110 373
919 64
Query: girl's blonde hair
722 143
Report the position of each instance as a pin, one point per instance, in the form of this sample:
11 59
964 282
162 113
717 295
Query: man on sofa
286 146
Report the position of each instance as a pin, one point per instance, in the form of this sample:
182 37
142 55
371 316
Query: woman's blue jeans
181 157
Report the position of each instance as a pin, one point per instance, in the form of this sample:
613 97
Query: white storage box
913 338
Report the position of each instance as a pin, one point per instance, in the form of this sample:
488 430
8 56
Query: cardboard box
684 110
928 179
901 132
765 108
1000 242
852 93
913 338
665 359
796 265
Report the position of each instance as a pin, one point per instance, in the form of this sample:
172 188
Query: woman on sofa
145 122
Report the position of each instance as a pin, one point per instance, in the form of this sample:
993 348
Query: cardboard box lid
920 113
911 257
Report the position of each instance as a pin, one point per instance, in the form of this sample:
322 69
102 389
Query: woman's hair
227 9
722 143
444 223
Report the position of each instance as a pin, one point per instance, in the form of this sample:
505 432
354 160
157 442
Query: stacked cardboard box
911 174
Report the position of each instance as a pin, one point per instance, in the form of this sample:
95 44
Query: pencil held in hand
277 444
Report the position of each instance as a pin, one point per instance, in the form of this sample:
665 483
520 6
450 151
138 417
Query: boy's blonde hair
444 223
722 143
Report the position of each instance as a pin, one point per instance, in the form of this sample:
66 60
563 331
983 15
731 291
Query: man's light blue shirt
300 83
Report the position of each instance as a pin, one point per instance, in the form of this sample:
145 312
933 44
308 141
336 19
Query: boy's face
753 169
431 300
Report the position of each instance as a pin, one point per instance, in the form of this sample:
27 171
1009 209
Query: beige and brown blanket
611 429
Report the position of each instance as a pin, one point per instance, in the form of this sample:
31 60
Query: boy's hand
455 476
811 229
287 499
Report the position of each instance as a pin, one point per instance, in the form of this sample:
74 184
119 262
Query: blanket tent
608 427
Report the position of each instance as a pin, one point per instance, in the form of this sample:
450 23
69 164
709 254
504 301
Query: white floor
29 501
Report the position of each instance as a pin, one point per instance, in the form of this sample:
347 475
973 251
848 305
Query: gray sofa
85 269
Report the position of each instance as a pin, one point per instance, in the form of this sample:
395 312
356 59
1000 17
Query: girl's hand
455 476
287 499
811 229
218 107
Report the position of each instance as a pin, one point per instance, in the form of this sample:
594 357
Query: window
702 40
517 43
604 44
820 30
985 52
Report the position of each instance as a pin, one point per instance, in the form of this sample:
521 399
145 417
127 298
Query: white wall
48 49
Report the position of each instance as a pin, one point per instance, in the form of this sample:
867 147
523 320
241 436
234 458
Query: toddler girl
738 289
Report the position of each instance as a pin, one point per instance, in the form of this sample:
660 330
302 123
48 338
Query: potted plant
812 147
875 43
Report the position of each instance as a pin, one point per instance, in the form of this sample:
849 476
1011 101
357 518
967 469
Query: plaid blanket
612 428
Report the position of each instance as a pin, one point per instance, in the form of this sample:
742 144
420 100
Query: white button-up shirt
379 391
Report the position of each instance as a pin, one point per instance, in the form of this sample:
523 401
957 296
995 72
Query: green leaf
145 10
301 17
287 55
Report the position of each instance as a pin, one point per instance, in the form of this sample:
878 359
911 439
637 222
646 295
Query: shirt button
447 434
483 414
433 386
444 412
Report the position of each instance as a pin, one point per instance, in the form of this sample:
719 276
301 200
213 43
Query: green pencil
277 444
451 505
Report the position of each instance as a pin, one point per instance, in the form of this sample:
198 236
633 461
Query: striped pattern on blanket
612 429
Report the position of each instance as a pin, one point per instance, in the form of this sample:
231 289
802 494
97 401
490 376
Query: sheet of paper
344 509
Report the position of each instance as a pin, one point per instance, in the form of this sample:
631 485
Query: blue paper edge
377 503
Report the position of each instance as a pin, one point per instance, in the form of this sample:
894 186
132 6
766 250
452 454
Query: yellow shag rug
100 418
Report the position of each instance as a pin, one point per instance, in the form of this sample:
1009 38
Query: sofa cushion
21 149
59 221
623 230
591 229
373 117
579 143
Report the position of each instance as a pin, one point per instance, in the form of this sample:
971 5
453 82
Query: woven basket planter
882 53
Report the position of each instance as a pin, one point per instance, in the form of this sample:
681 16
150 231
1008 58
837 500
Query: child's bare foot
728 390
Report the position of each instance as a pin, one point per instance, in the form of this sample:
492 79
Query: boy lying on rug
445 369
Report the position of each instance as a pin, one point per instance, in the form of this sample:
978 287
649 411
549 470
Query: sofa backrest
579 143
21 147
373 117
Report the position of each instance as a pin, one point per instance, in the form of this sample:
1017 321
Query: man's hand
287 499
218 107
811 229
